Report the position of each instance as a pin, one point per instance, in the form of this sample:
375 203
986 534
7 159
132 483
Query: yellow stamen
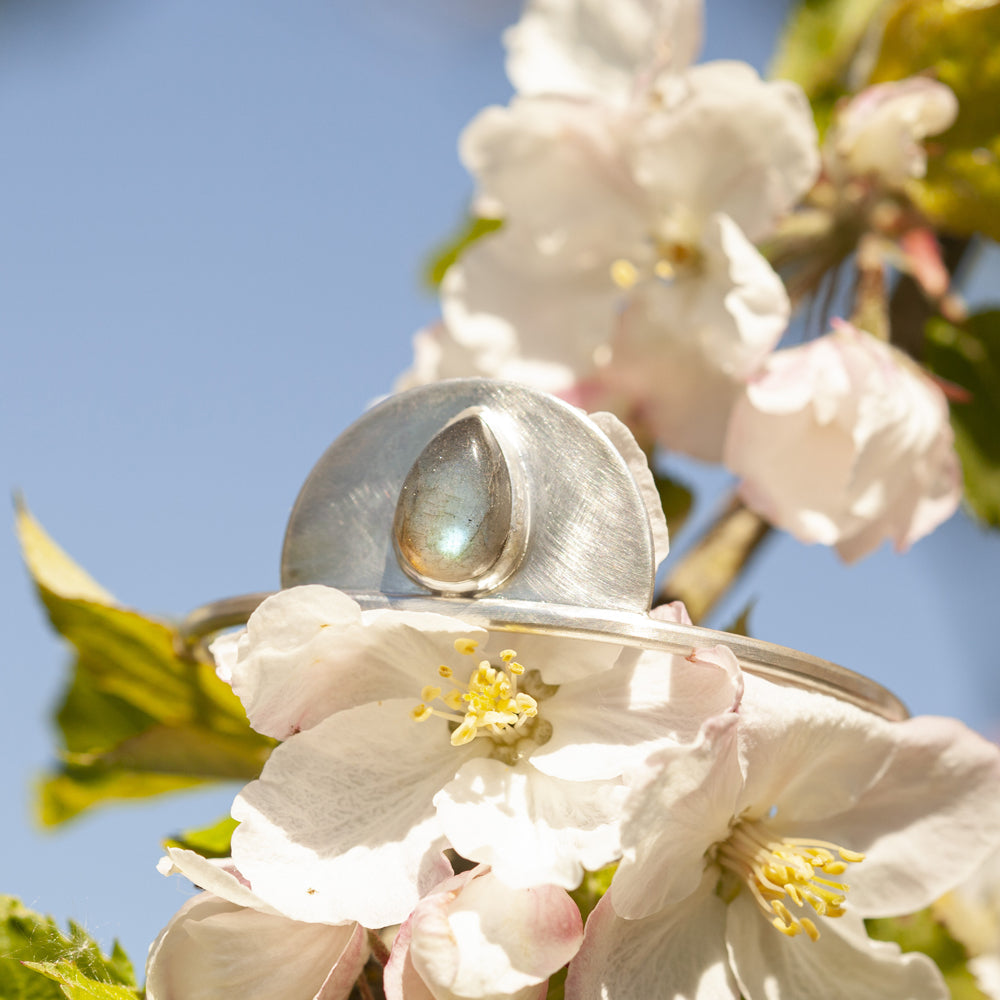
624 274
776 869
490 704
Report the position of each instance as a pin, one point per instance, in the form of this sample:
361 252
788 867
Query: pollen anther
776 869
490 704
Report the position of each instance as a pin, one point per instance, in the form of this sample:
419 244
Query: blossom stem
379 951
705 573
363 987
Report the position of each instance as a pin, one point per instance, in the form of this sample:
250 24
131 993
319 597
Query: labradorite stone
454 510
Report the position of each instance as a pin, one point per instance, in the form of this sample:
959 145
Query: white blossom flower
750 863
396 749
608 52
845 441
879 133
473 937
226 941
626 265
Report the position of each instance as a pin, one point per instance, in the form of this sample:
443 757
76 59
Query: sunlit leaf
969 356
474 228
26 936
76 986
210 842
592 889
958 44
819 43
64 795
143 713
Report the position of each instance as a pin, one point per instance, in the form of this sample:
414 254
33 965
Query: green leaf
28 939
819 43
925 933
143 713
959 44
64 795
594 885
474 228
77 986
969 356
210 842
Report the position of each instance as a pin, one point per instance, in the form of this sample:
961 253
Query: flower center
669 258
490 704
786 870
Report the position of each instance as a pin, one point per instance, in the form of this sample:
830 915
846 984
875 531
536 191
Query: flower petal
479 938
844 964
340 825
530 828
212 948
674 816
705 150
931 817
590 48
677 952
217 877
607 725
809 755
311 651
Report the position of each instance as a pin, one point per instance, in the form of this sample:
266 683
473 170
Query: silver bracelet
509 509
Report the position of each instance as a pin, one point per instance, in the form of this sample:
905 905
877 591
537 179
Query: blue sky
213 218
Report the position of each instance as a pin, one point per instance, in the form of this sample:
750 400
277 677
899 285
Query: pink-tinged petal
923 260
683 807
400 980
676 953
485 940
674 611
844 964
845 441
212 948
926 824
593 49
530 828
609 724
807 754
622 438
340 825
880 131
310 651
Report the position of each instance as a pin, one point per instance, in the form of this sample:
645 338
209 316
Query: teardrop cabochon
461 520
574 532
